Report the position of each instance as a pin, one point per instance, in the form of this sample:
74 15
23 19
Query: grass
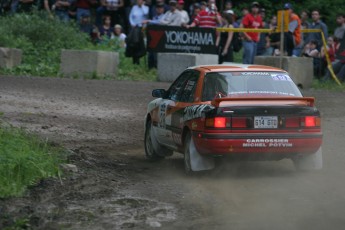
25 160
328 85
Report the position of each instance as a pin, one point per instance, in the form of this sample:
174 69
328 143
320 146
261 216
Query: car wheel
150 152
309 162
193 161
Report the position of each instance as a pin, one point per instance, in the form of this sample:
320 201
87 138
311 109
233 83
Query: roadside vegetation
25 160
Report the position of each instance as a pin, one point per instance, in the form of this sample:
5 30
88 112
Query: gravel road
101 123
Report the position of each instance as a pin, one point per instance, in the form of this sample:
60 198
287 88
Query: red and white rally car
246 111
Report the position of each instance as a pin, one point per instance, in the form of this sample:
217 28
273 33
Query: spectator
105 30
173 16
203 5
274 38
264 42
317 24
228 5
224 41
118 37
49 7
339 31
83 7
85 24
338 67
304 25
331 48
252 21
293 36
25 6
112 8
152 56
310 50
207 18
61 9
153 12
184 14
195 12
138 14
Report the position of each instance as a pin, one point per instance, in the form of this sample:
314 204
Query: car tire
150 152
309 162
201 164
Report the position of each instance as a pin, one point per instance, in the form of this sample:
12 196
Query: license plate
266 122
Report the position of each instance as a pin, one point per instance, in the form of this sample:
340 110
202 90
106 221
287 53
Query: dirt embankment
101 123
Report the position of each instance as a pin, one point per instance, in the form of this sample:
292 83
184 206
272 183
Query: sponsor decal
267 143
179 39
196 111
256 73
281 77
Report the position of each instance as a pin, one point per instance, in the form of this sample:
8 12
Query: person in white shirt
138 14
184 14
173 16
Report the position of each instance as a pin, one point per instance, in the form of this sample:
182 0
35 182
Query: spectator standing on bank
224 40
173 16
153 12
25 6
195 12
138 14
251 21
184 14
49 7
61 9
274 38
85 24
208 18
228 5
83 8
293 36
264 41
340 30
152 56
112 8
305 24
317 24
331 48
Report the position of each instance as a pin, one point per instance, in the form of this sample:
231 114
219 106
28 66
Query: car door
180 99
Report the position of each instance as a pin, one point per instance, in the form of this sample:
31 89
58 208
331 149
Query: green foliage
329 85
41 40
24 161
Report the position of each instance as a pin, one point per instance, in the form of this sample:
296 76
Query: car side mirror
160 93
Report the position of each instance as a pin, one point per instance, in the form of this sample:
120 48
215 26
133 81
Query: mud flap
199 162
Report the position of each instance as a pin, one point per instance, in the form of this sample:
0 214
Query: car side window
177 87
188 91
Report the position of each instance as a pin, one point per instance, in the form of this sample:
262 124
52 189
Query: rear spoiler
310 101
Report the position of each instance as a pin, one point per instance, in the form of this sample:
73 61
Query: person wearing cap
160 4
252 20
159 8
118 37
293 36
173 16
184 14
195 11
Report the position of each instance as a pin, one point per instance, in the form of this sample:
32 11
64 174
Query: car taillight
310 121
218 122
239 122
292 122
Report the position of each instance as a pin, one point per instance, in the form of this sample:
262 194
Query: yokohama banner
173 39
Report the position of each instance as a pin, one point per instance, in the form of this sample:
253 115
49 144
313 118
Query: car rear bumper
234 144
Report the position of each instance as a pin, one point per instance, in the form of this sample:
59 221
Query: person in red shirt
208 18
252 21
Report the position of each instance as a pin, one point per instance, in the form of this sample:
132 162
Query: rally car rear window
242 84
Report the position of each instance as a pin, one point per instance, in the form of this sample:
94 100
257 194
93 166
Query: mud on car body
242 111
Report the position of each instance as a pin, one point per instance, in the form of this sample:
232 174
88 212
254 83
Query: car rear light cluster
226 122
245 122
307 121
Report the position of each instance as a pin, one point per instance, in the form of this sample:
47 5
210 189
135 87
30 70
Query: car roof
230 66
